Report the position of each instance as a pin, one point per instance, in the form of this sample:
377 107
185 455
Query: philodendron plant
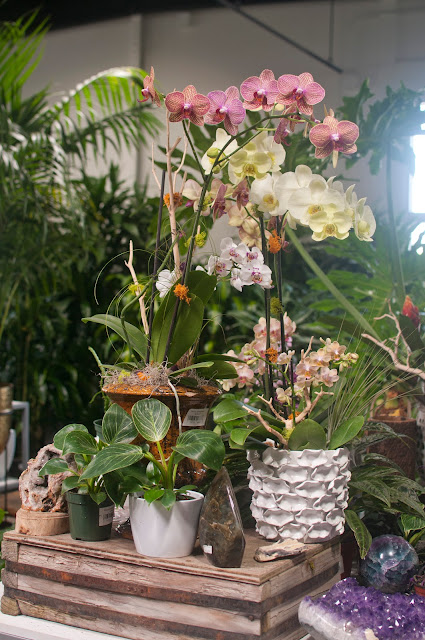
112 465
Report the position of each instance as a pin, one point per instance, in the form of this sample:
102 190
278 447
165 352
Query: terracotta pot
41 523
420 591
404 451
194 407
6 398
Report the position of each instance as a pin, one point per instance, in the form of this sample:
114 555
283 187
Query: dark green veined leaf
79 460
59 438
113 482
411 523
361 533
151 418
308 434
346 432
201 445
153 473
117 425
374 487
137 338
407 499
218 370
69 483
80 442
56 465
116 456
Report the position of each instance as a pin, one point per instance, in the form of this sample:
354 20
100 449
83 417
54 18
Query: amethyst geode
351 612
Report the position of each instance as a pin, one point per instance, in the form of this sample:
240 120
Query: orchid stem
155 263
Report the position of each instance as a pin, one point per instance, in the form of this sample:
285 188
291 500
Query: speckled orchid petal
174 101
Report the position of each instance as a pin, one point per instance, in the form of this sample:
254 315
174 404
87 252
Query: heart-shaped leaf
346 432
168 499
116 456
153 494
80 442
55 465
59 438
308 434
117 426
151 418
228 410
201 445
70 483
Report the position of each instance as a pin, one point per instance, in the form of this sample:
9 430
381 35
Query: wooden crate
108 587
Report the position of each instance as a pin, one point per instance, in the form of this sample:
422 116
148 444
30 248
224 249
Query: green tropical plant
109 465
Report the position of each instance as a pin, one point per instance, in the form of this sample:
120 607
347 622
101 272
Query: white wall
214 48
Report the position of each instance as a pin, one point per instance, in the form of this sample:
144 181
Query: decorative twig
396 362
172 209
130 267
266 425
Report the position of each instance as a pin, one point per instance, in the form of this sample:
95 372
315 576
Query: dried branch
130 267
266 425
393 355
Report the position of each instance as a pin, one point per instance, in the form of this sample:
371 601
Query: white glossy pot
162 533
299 494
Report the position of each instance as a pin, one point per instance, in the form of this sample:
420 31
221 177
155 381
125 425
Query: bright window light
417 181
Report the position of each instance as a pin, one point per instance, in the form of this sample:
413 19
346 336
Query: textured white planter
160 533
299 494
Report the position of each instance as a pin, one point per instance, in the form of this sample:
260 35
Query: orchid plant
241 176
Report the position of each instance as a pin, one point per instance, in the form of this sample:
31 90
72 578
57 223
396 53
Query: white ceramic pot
160 533
299 494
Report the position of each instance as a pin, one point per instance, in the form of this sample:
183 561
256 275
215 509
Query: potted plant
90 500
163 518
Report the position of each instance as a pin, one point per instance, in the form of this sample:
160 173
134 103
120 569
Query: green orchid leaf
201 285
346 432
361 533
59 438
69 483
56 465
217 356
151 418
137 338
201 445
186 330
218 370
117 425
116 456
308 434
153 494
239 436
80 442
168 498
228 410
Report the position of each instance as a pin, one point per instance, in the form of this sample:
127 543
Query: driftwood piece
279 550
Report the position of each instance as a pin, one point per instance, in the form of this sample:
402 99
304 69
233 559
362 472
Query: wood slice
41 523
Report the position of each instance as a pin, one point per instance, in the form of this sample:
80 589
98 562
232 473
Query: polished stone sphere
389 564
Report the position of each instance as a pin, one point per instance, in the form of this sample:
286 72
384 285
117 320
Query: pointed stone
220 526
278 550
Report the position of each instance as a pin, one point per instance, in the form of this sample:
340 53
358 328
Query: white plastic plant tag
106 515
195 418
207 548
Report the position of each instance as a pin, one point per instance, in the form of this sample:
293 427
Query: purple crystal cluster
351 612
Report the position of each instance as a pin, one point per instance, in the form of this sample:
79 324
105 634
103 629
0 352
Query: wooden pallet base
108 587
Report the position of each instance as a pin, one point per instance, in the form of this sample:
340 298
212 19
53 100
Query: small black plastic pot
88 520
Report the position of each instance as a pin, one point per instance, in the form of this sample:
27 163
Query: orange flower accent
275 243
178 200
271 354
141 375
181 291
411 311
291 415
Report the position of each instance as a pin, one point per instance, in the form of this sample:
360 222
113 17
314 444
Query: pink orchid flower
260 92
300 90
226 106
187 104
241 193
219 205
333 136
148 90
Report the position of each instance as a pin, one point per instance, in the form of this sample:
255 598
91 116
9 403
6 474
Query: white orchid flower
250 161
265 194
165 281
256 273
209 158
276 152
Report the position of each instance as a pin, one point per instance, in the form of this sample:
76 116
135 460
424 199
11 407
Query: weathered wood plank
9 578
9 549
10 606
141 609
121 550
